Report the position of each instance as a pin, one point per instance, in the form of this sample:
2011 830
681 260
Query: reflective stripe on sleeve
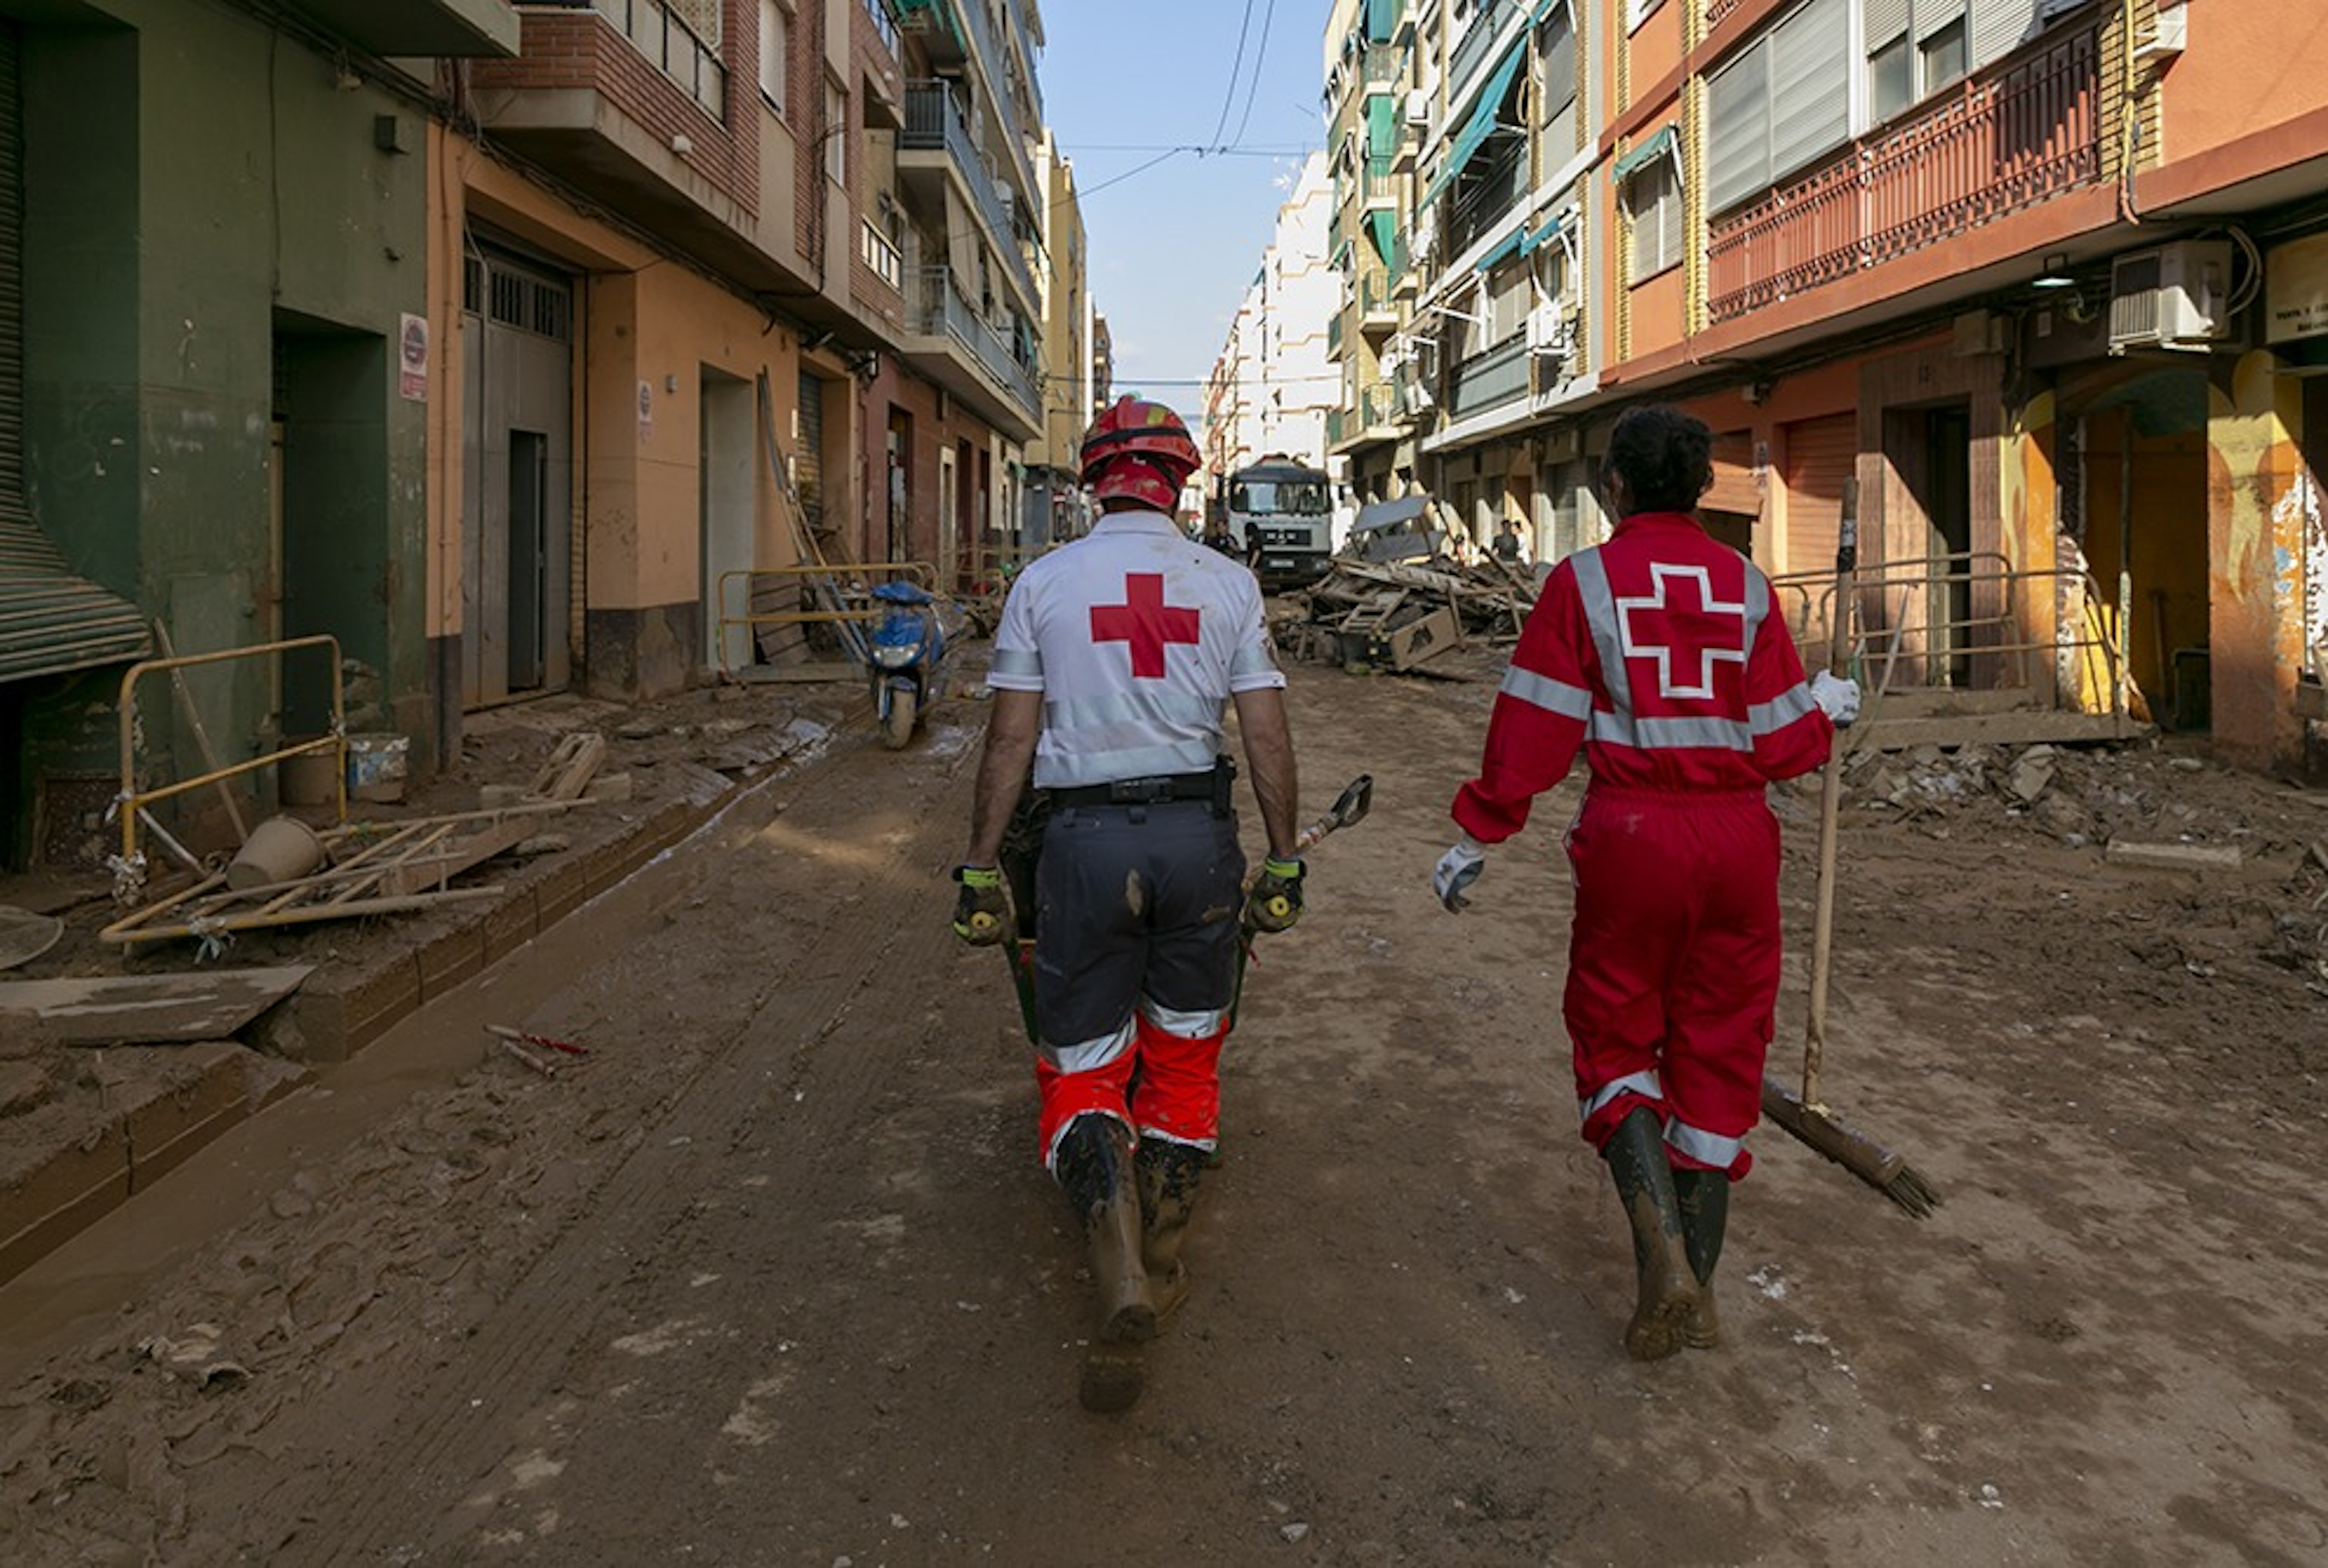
1706 1148
1555 697
1770 718
1601 613
1017 662
1644 1083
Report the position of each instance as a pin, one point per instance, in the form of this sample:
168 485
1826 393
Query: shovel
1805 1115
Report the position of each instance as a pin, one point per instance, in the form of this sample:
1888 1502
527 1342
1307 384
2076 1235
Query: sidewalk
81 1129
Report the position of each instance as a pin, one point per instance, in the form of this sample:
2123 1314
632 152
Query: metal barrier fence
131 802
774 599
1970 622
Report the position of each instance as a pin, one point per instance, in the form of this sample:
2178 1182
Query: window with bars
1653 202
1778 103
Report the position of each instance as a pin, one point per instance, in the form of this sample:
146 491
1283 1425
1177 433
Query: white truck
1279 513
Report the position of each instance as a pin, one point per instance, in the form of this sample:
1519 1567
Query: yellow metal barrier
1968 622
131 803
843 592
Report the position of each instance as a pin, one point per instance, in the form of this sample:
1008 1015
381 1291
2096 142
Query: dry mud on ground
771 1277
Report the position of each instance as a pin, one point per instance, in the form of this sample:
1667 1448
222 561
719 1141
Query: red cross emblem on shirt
1145 622
1705 634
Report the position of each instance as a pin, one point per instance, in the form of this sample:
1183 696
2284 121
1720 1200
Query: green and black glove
981 914
1275 902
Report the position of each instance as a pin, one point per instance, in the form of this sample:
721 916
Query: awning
1550 231
1375 515
1382 228
1382 129
1382 20
1656 147
1509 245
52 620
1483 118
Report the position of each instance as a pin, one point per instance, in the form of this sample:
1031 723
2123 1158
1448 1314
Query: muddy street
771 1276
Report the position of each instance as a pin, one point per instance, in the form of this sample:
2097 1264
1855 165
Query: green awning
1535 237
1508 244
1483 120
1382 228
1382 129
1382 20
53 620
1656 147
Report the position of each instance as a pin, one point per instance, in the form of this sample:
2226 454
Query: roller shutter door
51 620
1822 456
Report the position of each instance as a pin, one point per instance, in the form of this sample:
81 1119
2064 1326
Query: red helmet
1141 451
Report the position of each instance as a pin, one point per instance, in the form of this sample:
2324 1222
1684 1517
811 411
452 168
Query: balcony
487 28
935 125
1377 185
939 26
1486 380
885 23
952 344
621 100
1384 65
1378 309
2024 130
1479 40
1378 410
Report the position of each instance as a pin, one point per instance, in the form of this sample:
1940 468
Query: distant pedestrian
1660 656
1509 548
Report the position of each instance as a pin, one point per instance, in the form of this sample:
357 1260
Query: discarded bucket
307 779
376 767
280 850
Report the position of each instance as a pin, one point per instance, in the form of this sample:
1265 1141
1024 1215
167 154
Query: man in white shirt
1115 662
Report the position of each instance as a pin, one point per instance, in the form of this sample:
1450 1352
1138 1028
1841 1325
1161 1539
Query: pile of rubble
1406 594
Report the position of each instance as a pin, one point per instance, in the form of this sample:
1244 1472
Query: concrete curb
151 1124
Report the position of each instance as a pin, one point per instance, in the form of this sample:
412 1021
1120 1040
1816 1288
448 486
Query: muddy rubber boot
1645 1185
1704 1198
1094 1168
1169 1173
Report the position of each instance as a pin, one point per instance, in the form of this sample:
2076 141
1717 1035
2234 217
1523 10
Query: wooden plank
153 1009
2173 857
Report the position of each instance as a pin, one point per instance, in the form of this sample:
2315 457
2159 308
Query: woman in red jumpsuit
1659 656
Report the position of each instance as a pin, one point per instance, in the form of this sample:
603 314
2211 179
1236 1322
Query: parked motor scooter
905 655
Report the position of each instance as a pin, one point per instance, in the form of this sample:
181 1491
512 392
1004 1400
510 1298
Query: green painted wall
215 239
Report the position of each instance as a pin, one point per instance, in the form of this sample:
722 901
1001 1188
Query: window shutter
1810 84
1738 130
1998 26
1559 55
1931 15
1886 20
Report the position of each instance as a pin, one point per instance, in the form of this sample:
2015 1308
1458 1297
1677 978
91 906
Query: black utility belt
1212 785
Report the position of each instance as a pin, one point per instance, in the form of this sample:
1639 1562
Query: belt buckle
1140 791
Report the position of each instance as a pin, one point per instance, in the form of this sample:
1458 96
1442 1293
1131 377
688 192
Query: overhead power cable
1237 67
1260 62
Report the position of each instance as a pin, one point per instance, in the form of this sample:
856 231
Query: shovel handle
1838 658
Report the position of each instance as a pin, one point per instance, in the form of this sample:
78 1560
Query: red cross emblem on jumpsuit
1145 622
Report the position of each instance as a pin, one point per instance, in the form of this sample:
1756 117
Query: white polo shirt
1136 636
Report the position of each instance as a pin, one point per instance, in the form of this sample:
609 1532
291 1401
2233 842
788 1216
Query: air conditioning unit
2173 297
1418 108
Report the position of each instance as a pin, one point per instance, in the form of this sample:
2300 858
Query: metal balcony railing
1378 406
1375 298
2017 134
1334 427
885 23
880 255
1471 53
938 310
1486 379
1377 186
1334 335
934 122
672 48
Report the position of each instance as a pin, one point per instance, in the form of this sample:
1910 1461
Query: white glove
1457 868
1837 696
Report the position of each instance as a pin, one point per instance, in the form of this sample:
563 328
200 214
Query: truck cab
1281 515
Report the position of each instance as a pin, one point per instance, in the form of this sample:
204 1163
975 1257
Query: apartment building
1271 388
1055 506
500 343
2037 280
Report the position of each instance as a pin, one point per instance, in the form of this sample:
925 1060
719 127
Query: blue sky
1173 247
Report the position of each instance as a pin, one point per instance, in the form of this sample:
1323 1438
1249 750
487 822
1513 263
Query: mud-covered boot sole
1115 1372
1661 1319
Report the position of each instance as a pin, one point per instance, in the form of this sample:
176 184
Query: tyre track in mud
549 1324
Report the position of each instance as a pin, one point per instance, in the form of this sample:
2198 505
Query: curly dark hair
1666 456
